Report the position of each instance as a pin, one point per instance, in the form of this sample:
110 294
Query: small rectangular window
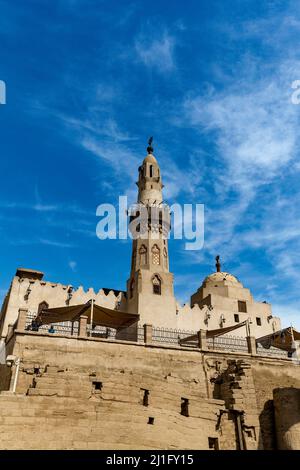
151 420
146 394
184 407
213 443
242 306
236 318
258 321
97 385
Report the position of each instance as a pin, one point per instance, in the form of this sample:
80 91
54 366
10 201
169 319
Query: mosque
134 369
221 301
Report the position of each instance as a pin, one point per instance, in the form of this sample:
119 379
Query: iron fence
63 328
272 352
228 343
100 332
170 336
159 335
140 334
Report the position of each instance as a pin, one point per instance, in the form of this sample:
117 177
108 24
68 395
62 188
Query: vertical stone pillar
22 319
10 330
12 377
251 342
82 325
148 333
202 342
287 417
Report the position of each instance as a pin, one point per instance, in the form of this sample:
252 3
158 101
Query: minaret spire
149 183
150 148
218 264
150 285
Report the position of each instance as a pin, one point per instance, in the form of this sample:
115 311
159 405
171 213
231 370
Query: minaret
150 286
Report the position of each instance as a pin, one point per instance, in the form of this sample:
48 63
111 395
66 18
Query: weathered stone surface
60 407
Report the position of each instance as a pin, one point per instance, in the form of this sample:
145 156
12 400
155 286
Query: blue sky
88 81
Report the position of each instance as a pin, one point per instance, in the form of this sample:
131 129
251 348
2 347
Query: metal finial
218 264
150 148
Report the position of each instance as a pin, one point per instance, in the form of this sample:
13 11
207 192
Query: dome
150 159
219 277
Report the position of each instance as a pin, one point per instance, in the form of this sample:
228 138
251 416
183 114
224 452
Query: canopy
222 331
96 314
282 339
214 333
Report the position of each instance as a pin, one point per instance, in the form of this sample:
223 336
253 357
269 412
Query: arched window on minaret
166 258
156 282
151 171
155 255
131 286
42 306
143 255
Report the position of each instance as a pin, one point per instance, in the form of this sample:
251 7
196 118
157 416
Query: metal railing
170 336
272 352
140 334
62 328
165 336
228 343
100 332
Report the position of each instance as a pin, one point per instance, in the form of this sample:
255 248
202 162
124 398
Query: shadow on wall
287 417
280 420
267 427
5 376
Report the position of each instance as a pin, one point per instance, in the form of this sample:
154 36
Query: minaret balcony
152 179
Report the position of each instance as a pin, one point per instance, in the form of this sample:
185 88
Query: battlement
29 273
29 290
35 279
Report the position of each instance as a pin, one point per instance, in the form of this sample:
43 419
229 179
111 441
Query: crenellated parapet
31 291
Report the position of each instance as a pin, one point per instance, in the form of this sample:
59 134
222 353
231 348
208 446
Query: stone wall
103 394
91 394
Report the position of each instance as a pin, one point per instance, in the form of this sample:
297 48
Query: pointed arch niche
143 255
42 306
156 284
155 255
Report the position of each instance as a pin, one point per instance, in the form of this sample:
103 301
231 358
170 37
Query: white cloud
255 125
73 265
58 244
288 313
44 208
255 128
156 52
